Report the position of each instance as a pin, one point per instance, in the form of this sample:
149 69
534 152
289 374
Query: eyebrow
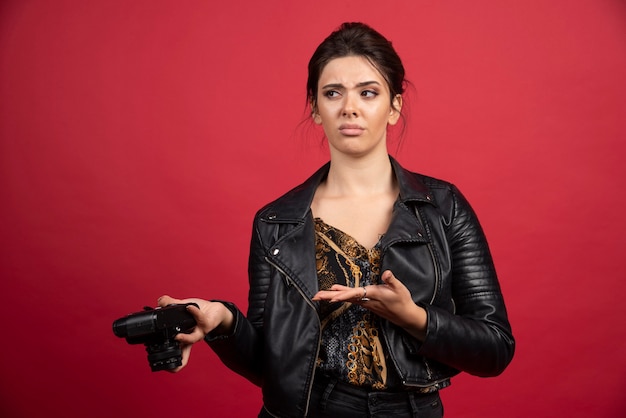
341 86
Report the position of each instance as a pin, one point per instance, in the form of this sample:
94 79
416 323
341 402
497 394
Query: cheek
328 110
384 116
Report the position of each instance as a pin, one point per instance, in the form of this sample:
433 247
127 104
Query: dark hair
357 39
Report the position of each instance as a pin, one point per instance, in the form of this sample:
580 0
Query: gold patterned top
351 349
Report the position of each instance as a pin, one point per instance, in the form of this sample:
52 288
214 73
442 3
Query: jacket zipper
432 257
289 282
437 279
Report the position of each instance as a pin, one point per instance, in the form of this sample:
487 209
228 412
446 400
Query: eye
369 93
331 94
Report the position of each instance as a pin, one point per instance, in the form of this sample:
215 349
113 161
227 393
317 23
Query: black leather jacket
434 245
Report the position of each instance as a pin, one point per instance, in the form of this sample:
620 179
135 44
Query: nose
349 106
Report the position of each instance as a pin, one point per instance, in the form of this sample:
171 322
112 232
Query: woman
370 286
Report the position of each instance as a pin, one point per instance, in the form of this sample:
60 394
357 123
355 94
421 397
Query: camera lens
165 356
135 325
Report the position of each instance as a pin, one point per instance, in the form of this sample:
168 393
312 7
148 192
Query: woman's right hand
209 316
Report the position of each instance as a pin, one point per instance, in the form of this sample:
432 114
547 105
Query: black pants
332 399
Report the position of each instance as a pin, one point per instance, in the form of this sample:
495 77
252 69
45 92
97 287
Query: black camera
156 329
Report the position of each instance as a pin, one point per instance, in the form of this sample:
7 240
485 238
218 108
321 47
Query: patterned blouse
351 349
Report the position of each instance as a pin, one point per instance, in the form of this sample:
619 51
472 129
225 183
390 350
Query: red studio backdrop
138 138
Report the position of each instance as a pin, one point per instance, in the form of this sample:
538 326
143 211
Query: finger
325 295
186 352
340 287
197 314
167 300
348 294
202 327
203 322
388 278
334 296
196 335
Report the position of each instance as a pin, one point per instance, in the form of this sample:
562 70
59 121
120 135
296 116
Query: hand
390 300
209 316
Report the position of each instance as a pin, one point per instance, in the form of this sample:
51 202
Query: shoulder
295 204
418 186
442 194
434 183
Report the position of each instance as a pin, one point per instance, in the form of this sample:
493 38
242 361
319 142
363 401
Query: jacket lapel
294 249
405 226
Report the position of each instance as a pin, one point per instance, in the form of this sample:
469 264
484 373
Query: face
354 107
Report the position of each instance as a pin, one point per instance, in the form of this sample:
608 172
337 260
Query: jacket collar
295 205
412 189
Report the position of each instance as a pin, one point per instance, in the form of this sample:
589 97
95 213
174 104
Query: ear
396 108
316 116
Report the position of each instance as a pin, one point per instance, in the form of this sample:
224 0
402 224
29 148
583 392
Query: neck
360 177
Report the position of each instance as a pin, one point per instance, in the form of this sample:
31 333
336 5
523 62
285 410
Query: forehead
349 71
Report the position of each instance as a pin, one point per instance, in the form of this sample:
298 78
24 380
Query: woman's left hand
390 300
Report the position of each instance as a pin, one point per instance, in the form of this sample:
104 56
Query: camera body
156 329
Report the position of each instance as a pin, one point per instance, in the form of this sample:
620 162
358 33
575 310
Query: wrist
228 318
416 322
228 322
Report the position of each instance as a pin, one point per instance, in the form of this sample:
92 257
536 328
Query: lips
351 129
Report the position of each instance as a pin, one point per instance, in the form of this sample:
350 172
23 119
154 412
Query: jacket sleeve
242 350
477 337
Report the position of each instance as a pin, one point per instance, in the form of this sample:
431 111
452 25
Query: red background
138 138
